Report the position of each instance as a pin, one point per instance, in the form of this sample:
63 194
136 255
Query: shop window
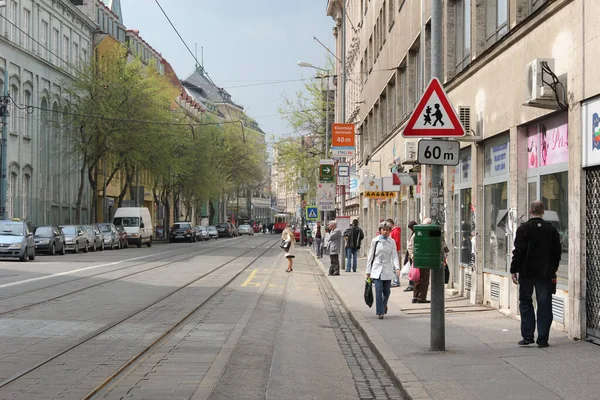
554 191
496 160
496 210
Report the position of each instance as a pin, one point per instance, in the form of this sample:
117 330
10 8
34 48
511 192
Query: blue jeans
319 247
382 294
351 257
543 294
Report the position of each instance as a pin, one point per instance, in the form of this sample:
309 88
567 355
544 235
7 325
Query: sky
245 42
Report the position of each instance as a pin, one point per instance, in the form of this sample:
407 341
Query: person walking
318 240
288 236
419 288
382 266
535 261
395 234
354 236
335 247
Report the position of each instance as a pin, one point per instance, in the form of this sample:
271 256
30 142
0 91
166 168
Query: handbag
285 245
369 292
414 274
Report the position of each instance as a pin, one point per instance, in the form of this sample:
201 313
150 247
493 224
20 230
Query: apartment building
42 45
521 74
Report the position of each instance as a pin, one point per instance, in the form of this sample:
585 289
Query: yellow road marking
250 277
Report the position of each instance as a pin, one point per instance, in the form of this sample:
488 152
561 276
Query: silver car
245 229
16 240
75 238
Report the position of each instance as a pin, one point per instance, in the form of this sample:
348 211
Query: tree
120 109
298 154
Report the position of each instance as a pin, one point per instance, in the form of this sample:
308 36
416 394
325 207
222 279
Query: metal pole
301 221
3 144
343 104
104 205
327 127
438 323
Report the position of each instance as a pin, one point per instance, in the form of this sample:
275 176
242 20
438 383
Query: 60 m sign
438 152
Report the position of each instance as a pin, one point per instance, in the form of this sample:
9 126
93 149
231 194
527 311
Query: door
592 229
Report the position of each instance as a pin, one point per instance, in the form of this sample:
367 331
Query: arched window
14 95
26 195
12 195
26 115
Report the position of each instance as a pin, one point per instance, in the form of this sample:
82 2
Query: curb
401 375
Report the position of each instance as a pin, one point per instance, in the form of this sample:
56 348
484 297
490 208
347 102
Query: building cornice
75 13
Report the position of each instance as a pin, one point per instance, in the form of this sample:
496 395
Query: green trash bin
428 246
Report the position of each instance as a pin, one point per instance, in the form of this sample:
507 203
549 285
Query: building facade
42 45
519 72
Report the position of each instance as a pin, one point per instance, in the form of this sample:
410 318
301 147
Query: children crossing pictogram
434 116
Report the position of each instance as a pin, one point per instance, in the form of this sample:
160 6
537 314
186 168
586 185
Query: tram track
168 255
97 333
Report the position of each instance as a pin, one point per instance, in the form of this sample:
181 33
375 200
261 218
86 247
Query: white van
137 223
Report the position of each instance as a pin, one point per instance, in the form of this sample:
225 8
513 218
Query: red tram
281 222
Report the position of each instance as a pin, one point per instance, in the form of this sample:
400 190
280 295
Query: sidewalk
482 360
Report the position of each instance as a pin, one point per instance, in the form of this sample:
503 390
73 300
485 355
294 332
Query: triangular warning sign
434 116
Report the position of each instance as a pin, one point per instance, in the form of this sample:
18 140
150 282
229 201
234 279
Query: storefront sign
379 195
496 159
591 133
547 142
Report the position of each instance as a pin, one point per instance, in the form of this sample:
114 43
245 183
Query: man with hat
335 247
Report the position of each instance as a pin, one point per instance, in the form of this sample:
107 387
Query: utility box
428 246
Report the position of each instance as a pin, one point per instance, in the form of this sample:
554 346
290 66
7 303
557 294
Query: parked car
204 232
213 233
49 240
225 229
245 230
123 237
197 233
75 238
16 240
182 231
110 236
94 236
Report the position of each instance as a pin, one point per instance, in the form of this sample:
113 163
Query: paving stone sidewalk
482 359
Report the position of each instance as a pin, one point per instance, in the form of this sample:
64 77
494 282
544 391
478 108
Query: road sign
343 139
438 152
303 204
326 171
326 196
312 213
434 116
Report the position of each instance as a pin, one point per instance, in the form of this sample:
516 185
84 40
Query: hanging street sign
438 152
434 116
312 213
326 196
343 140
343 173
372 194
327 171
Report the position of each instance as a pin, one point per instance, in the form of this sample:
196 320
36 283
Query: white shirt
382 264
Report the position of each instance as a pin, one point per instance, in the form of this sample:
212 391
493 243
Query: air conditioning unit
410 153
536 88
464 116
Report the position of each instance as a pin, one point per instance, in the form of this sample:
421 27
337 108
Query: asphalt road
218 319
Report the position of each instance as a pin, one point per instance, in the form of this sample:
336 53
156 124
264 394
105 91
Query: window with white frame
496 20
12 21
55 46
65 52
84 55
26 114
44 40
26 195
12 195
13 116
76 59
463 33
26 28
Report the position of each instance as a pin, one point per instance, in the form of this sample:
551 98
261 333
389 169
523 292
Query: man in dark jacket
534 264
354 236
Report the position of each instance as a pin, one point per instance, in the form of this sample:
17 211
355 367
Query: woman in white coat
382 264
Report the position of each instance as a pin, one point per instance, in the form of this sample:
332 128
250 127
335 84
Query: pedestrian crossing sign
312 213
